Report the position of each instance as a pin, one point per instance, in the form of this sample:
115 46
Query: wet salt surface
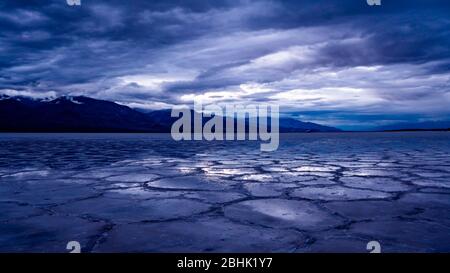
147 193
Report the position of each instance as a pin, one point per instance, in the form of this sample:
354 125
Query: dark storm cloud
306 55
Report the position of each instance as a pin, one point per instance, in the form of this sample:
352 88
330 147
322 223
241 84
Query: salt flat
147 193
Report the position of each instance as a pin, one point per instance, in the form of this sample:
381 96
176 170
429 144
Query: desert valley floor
147 193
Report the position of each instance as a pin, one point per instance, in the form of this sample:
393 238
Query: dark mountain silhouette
83 114
290 125
71 114
286 125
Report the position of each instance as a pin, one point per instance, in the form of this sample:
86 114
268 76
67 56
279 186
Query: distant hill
70 114
286 125
417 126
83 114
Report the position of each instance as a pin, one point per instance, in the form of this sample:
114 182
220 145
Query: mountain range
84 114
71 114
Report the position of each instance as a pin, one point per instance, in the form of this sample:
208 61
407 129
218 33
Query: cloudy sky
341 63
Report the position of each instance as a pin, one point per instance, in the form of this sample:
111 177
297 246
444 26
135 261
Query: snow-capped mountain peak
65 99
